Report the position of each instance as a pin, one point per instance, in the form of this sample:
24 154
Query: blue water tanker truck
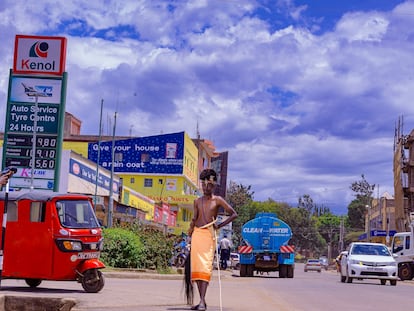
265 247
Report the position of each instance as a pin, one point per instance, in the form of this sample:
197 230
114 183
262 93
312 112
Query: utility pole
111 188
341 235
369 223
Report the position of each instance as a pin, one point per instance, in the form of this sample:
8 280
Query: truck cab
402 247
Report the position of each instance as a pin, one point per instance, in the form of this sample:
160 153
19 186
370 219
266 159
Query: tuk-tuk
52 236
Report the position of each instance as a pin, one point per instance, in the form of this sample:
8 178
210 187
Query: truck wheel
243 270
93 281
282 271
290 271
250 270
405 272
33 282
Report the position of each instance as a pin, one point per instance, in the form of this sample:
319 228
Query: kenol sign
39 55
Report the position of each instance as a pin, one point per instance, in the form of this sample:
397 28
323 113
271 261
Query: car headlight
69 245
72 245
355 262
392 264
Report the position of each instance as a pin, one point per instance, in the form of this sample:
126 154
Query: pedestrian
203 235
4 179
6 174
225 247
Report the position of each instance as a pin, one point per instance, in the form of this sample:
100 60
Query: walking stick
7 171
218 270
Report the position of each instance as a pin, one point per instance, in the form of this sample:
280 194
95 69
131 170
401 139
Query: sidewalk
141 274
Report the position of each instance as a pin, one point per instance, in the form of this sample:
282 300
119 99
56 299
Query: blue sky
304 95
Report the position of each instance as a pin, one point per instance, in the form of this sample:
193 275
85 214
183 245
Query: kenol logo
39 49
39 54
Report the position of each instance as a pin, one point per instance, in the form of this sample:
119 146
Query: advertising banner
88 174
39 55
161 154
33 134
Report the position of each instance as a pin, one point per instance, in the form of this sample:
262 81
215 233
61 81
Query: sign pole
8 171
33 166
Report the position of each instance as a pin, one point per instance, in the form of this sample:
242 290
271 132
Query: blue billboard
161 154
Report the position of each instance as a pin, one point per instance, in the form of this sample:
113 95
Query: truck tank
266 247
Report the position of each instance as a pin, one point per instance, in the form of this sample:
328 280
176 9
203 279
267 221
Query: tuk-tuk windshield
76 214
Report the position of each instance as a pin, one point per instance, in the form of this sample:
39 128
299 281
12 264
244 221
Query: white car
368 261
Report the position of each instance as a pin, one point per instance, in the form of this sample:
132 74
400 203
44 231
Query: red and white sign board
39 55
287 249
245 249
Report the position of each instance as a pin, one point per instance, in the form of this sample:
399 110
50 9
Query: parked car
235 261
368 261
313 265
232 263
324 262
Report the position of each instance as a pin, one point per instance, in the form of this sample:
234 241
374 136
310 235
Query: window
76 214
11 211
37 212
132 180
148 182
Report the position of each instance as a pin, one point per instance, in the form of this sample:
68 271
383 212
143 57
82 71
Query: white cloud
299 112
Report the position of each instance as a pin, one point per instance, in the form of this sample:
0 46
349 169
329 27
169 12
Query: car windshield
369 249
76 214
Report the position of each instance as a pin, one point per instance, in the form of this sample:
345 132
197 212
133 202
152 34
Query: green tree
328 226
358 208
363 190
305 235
240 197
306 202
356 215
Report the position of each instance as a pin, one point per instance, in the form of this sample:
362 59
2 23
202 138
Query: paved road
122 291
310 291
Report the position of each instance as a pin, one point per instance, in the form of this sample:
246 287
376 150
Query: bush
157 250
122 248
137 246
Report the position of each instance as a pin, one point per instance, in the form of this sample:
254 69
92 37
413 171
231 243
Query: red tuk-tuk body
51 236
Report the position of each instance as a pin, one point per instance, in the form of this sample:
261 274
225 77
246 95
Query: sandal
198 307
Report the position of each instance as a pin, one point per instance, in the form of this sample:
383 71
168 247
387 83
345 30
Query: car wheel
93 281
383 282
348 278
33 282
393 282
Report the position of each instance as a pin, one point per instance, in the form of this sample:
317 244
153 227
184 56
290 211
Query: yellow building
162 168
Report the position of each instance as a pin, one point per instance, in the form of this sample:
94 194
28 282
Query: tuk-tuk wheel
33 282
93 280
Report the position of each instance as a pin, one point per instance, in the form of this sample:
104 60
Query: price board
34 130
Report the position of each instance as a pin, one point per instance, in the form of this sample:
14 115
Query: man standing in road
203 234
225 247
